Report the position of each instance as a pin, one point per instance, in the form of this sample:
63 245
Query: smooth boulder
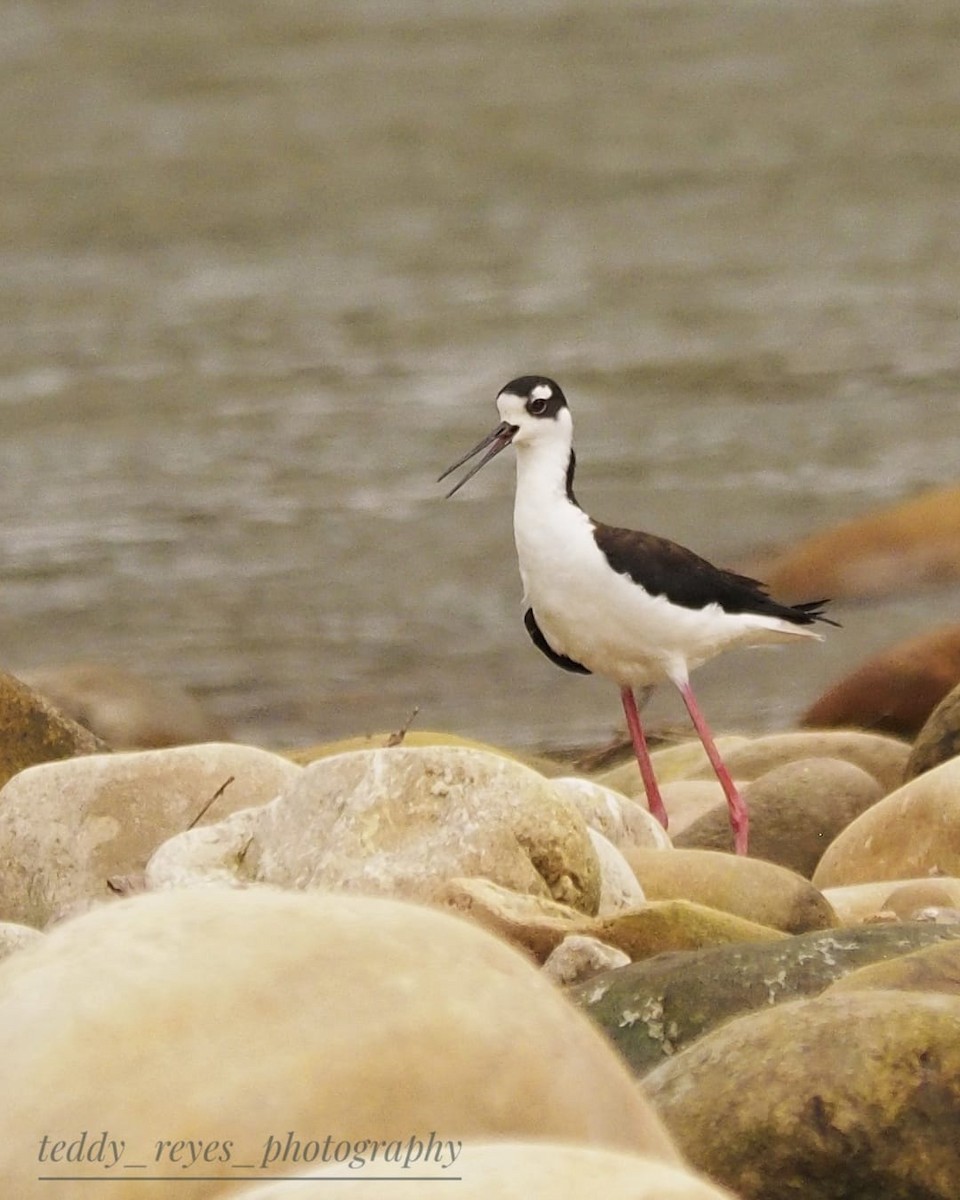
33 731
653 1009
939 739
509 1170
81 831
915 831
880 756
852 1094
748 887
401 821
126 710
894 691
915 540
539 926
796 810
236 1016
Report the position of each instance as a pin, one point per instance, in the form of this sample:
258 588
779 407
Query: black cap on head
543 396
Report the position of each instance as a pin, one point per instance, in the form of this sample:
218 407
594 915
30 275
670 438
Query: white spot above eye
543 391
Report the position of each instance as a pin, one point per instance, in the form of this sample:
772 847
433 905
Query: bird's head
533 411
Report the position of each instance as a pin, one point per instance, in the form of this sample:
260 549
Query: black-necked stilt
630 606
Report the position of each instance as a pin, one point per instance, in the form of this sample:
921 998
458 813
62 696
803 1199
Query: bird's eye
537 406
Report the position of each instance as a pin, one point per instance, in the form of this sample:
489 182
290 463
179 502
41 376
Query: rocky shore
436 959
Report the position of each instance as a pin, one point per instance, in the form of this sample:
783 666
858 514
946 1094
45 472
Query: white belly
611 625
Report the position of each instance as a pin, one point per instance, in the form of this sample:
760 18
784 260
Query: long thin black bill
501 437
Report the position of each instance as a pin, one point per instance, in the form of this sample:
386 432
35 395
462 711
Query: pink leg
739 818
654 799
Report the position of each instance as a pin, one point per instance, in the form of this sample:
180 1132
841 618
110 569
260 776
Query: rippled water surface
266 267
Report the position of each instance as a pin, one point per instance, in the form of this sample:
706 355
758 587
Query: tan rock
896 690
860 902
670 764
939 739
932 969
534 924
882 757
687 800
221 1015
623 821
128 711
578 958
913 832
402 822
33 731
619 889
67 829
518 1171
15 937
917 539
796 810
414 738
912 897
747 887
539 926
849 1094
676 925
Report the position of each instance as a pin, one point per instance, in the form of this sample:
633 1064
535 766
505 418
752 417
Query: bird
632 607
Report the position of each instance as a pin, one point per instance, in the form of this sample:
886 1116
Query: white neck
542 463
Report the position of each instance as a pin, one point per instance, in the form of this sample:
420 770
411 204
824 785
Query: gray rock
651 1010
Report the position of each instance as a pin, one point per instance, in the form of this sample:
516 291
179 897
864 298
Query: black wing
663 568
541 643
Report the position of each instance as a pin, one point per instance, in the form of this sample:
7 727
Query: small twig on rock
396 738
216 796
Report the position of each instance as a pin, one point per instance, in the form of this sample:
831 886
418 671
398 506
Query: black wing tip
812 610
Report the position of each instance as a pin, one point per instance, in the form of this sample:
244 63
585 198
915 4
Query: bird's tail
812 610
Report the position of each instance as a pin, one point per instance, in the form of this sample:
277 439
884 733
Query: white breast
604 620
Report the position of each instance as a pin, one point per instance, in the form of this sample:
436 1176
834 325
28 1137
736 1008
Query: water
266 267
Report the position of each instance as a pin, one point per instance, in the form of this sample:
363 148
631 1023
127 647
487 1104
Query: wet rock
748 887
509 1170
935 968
184 1010
848 1094
539 926
126 710
915 540
796 811
15 937
33 731
403 822
578 958
896 690
915 831
882 757
939 739
653 1009
623 821
67 829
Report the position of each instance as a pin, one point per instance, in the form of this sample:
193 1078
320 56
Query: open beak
501 437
